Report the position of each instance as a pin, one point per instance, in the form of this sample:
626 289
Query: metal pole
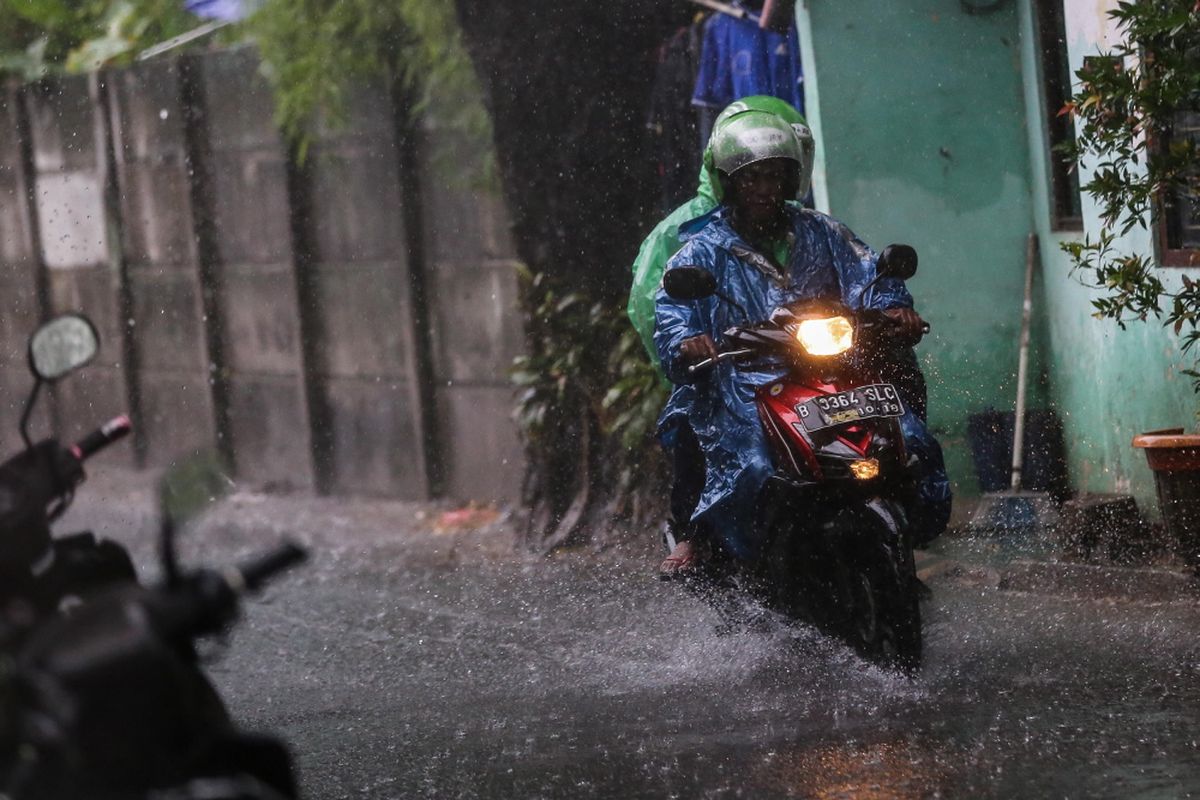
1031 250
182 39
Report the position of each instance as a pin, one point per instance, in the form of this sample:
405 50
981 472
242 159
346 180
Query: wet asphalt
407 662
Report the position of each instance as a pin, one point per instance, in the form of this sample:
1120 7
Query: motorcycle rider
765 253
662 243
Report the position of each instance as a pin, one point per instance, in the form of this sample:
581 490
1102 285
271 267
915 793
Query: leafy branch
1126 111
314 51
585 355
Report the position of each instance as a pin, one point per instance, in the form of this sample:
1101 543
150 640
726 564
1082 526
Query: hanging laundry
740 59
225 10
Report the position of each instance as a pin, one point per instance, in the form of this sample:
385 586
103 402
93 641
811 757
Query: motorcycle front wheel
885 619
881 611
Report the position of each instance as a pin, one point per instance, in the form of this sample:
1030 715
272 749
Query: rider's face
759 190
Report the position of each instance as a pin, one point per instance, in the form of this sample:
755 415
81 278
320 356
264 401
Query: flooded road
402 671
568 680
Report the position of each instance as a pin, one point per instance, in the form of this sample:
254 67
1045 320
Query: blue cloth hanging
222 10
739 59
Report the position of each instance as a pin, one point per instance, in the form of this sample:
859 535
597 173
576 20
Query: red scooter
838 550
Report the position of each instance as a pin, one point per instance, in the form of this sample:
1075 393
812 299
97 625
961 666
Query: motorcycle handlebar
112 431
708 362
258 570
879 317
207 600
728 354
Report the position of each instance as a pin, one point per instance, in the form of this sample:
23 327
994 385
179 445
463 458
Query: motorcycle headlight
825 337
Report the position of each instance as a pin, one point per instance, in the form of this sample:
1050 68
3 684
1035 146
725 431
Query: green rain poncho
663 242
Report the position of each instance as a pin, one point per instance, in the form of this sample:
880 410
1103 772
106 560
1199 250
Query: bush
588 403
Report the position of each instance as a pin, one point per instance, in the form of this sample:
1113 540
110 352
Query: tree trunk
568 91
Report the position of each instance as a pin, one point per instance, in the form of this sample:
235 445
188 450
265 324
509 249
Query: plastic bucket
1044 465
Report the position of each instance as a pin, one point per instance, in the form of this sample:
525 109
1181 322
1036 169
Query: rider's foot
682 561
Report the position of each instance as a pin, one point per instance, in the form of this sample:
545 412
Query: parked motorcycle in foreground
38 572
104 698
109 702
837 550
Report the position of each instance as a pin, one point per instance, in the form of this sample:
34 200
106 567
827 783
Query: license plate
853 405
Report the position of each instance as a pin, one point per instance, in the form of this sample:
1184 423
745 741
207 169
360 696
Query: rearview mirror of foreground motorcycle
689 283
897 261
62 345
185 491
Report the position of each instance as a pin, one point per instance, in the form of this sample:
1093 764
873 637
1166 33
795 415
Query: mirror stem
28 412
734 303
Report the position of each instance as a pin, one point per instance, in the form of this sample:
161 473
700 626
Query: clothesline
726 8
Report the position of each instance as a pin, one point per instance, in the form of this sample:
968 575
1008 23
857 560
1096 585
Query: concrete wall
919 118
477 332
1111 384
367 367
258 333
344 324
161 262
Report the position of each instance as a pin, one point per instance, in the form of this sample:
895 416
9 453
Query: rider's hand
909 323
697 349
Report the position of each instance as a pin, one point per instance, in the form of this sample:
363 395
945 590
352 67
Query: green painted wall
919 114
1110 384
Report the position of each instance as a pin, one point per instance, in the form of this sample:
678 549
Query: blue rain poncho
826 261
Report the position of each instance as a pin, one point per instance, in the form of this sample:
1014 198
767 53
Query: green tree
1127 106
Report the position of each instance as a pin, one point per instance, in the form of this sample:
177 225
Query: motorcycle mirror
62 345
185 491
689 283
897 261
